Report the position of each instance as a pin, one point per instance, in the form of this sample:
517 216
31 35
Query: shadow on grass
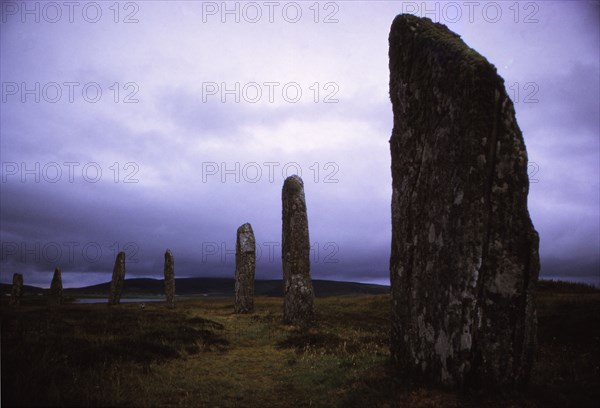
303 340
51 348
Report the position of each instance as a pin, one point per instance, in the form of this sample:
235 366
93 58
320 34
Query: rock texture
245 268
170 279
17 290
464 260
298 289
118 279
55 295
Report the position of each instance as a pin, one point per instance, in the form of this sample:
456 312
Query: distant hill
215 287
222 287
6 288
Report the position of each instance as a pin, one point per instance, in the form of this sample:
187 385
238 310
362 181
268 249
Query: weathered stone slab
464 260
170 278
118 279
17 290
298 289
55 295
245 269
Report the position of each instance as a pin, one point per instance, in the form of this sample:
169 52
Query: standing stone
464 260
17 290
245 268
170 278
118 280
56 290
298 289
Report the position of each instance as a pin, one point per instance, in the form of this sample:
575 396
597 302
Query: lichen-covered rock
17 290
298 289
464 260
118 279
55 295
245 268
170 278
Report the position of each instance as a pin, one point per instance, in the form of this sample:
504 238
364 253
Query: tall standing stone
170 278
118 279
56 289
245 268
17 290
298 289
464 260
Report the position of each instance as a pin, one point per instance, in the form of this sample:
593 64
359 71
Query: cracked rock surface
55 293
245 269
464 258
169 279
118 280
17 290
298 289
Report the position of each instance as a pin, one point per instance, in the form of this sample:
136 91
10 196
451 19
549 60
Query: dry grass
200 354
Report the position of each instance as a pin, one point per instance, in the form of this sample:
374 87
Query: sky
147 125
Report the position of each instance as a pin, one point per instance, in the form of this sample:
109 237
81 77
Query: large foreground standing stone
55 294
170 278
245 268
17 290
464 260
118 280
298 289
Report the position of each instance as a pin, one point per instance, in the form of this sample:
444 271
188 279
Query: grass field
200 354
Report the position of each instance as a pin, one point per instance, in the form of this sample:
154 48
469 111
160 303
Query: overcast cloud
165 157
